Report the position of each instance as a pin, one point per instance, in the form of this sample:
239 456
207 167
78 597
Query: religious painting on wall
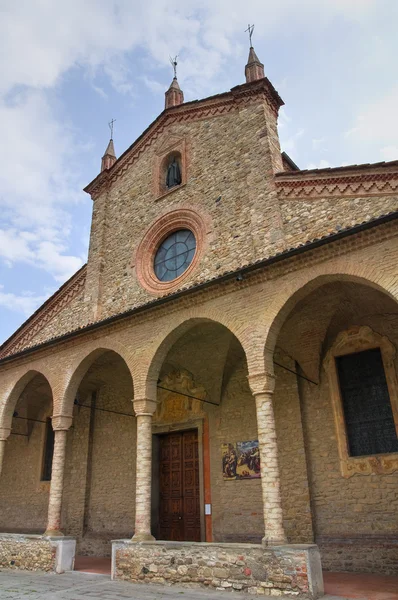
241 460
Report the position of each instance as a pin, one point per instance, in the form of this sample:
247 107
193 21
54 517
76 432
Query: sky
68 68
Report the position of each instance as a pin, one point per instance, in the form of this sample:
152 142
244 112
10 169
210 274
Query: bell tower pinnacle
174 95
109 158
254 69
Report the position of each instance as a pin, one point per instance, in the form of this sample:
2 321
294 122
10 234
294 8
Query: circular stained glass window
174 255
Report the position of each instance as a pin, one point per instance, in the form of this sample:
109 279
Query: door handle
180 518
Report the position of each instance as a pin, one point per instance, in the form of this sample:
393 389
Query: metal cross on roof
249 30
110 125
173 62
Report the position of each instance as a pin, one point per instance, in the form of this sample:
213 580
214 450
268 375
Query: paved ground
368 586
22 585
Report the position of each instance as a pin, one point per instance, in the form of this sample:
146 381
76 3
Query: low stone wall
372 555
36 552
291 570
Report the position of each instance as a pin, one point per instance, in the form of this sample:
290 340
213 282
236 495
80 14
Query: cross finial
110 125
249 30
173 62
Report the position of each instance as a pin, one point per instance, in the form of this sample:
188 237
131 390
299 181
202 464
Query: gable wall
227 156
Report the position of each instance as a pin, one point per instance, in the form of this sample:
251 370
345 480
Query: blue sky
72 66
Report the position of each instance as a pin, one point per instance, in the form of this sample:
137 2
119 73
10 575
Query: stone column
60 425
144 410
262 386
4 433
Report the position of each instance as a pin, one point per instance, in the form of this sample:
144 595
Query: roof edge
284 255
342 169
51 300
239 90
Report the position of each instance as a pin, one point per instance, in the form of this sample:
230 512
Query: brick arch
150 368
14 391
77 370
296 289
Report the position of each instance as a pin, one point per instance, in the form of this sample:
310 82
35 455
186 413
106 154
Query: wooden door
179 512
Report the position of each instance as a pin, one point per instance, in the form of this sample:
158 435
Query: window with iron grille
366 403
48 452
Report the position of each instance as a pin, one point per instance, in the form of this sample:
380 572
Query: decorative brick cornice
364 184
257 91
260 272
44 314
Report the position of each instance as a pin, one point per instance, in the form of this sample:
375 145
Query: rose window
174 255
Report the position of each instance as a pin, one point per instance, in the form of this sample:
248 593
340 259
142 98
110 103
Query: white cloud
25 303
43 40
323 164
289 144
389 153
318 144
376 124
38 251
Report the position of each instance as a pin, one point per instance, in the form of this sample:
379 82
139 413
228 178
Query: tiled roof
344 169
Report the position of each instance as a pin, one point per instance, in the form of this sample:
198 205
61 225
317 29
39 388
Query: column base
266 542
143 537
53 533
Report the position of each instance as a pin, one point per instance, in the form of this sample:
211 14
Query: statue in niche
173 177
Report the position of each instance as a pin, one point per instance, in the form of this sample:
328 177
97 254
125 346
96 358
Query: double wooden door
179 505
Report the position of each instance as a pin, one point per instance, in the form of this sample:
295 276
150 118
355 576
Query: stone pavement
83 586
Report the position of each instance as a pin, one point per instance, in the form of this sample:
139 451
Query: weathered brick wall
111 509
309 219
283 570
28 553
99 496
248 310
23 496
361 505
228 156
297 518
237 505
74 315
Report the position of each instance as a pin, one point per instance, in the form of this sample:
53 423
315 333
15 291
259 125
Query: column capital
61 422
4 433
144 406
261 383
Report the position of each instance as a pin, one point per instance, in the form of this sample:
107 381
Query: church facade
223 371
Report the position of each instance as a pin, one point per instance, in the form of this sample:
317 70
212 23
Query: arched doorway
203 490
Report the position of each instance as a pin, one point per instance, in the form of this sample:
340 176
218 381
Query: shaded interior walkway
93 564
364 586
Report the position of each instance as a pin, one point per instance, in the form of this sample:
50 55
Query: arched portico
179 349
99 394
25 419
83 361
310 318
12 393
296 289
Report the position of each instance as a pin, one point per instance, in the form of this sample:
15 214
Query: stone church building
214 394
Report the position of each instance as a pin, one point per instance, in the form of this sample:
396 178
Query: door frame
194 424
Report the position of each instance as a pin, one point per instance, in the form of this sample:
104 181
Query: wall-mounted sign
241 460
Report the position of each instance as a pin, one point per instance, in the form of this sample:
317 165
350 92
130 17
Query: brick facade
240 340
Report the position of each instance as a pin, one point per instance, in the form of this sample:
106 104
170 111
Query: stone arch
83 362
296 289
148 375
14 392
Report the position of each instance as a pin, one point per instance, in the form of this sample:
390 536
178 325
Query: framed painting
240 460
